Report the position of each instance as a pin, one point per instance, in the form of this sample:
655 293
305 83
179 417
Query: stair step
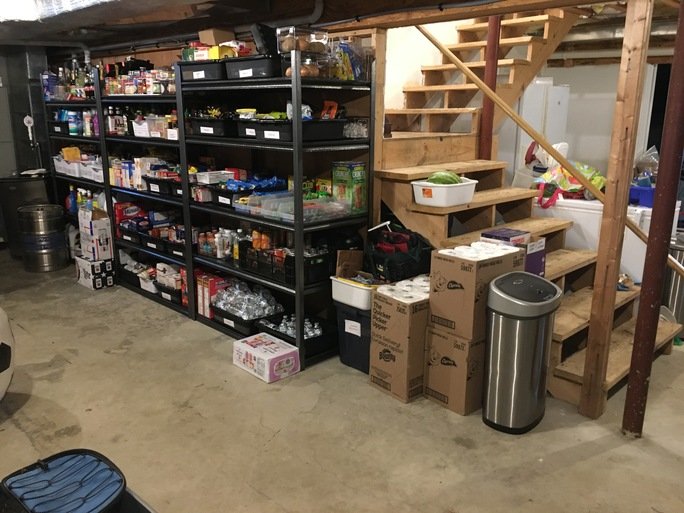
480 199
527 22
619 359
506 42
575 310
435 111
502 63
537 226
564 261
438 88
408 174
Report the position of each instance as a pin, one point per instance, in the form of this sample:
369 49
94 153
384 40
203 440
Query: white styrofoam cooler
6 353
586 228
443 195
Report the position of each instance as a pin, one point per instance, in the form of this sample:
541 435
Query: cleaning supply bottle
236 247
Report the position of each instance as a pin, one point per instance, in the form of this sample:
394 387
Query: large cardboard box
397 349
96 234
454 371
459 287
267 357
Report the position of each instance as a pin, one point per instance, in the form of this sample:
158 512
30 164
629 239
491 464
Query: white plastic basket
443 195
65 167
353 294
92 172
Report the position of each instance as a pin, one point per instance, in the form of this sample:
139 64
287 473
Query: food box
443 195
266 357
96 274
209 177
349 185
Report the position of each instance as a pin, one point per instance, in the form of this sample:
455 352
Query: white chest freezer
584 234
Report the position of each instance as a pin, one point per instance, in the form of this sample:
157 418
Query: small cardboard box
208 285
349 185
87 276
397 349
509 236
535 253
454 371
267 357
459 287
215 36
96 234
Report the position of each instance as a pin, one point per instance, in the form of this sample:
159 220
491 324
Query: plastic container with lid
305 40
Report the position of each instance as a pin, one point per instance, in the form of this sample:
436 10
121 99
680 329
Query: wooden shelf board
573 314
527 21
437 111
538 226
407 174
501 63
620 355
504 42
564 261
480 199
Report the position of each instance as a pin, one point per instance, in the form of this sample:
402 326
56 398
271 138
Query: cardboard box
208 285
267 357
397 349
86 275
535 253
510 236
214 36
454 371
96 234
349 185
459 287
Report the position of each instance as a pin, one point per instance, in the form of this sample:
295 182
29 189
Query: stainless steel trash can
673 291
520 311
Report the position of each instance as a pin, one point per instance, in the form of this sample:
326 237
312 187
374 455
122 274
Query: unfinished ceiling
134 22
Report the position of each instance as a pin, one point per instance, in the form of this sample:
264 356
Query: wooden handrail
539 138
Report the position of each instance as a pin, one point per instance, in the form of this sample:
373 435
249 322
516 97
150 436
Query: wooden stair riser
468 123
553 232
401 151
524 23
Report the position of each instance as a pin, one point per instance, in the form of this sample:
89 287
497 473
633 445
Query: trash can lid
521 294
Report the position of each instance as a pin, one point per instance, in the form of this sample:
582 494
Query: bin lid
523 295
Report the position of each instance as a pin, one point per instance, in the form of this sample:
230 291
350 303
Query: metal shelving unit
141 141
75 138
162 198
79 181
296 149
149 251
138 98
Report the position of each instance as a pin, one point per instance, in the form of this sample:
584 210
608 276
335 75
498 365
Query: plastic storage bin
305 40
260 66
443 195
213 127
642 196
244 326
314 345
202 70
159 185
353 333
323 130
173 295
352 293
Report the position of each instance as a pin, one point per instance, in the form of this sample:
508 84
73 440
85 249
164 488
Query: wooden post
619 177
539 138
658 243
490 71
379 43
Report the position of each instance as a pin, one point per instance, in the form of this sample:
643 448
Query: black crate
177 190
354 334
316 268
176 249
172 295
58 127
314 346
225 198
128 277
152 243
214 127
260 66
243 326
202 70
129 235
249 258
160 185
315 130
247 128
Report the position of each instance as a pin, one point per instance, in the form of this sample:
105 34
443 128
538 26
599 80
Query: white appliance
545 107
6 353
584 234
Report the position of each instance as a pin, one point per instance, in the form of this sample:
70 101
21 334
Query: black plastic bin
202 70
243 326
315 130
261 66
152 243
316 268
315 345
354 334
169 294
128 277
176 249
129 235
58 127
160 185
247 128
214 127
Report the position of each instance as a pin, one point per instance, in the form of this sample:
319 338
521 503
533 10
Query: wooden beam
490 72
601 61
658 244
431 14
539 138
379 43
619 175
674 4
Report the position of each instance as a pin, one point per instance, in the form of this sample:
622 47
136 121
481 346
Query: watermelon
444 178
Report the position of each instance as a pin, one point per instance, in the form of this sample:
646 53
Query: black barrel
43 239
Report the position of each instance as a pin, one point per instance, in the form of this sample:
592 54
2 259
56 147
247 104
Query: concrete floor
158 394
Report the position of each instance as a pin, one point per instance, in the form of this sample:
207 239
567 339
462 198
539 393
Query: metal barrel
44 243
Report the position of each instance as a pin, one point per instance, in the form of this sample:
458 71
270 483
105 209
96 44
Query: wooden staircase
447 103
